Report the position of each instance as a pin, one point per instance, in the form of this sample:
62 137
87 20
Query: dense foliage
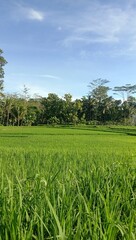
22 110
95 108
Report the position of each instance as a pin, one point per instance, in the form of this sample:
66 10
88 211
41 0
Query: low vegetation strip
61 186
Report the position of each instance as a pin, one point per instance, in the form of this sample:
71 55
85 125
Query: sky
60 46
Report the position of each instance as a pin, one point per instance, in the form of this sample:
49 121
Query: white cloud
24 12
35 15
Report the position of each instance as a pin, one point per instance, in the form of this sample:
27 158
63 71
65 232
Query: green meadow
74 183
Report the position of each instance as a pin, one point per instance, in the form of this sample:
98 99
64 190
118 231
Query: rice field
74 183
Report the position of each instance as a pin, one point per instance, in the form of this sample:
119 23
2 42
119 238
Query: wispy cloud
35 15
25 12
92 22
100 23
49 76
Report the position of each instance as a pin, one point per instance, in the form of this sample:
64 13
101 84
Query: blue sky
60 46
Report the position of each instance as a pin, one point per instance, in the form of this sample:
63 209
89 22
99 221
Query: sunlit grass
70 184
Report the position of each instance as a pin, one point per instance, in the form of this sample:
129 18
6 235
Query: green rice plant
67 184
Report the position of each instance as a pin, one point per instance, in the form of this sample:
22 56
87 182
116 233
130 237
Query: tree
129 102
127 90
8 104
52 108
2 64
97 95
98 89
67 108
34 112
19 111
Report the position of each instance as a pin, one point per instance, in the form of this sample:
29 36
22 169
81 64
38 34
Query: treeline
95 108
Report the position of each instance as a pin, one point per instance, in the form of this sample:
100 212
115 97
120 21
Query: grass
67 183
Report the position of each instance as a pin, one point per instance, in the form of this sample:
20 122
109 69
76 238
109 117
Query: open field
68 183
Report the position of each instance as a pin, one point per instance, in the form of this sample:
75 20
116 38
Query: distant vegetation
95 108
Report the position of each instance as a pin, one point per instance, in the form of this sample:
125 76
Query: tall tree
8 104
97 94
129 102
125 91
2 64
98 90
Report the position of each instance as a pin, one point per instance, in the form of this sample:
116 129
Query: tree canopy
98 90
